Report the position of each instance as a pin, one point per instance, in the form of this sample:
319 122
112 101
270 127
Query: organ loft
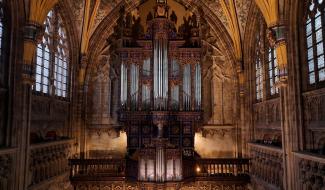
162 95
160 92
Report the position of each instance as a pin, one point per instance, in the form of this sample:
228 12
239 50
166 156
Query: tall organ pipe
160 73
198 86
134 85
124 85
187 87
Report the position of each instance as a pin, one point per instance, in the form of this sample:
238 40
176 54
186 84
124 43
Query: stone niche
106 142
216 142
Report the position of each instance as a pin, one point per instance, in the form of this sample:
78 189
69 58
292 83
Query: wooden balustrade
188 169
6 167
310 171
98 169
266 165
222 169
131 169
48 160
119 170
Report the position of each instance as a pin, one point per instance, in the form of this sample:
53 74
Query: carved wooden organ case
160 92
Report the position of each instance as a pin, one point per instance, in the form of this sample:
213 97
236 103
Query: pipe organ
160 92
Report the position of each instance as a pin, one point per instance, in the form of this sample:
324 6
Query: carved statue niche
100 95
137 29
219 75
173 17
193 21
149 17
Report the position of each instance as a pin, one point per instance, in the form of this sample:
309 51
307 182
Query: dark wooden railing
132 169
125 169
188 169
222 169
97 169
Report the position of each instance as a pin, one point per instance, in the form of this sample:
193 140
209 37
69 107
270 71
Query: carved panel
314 108
49 160
311 171
266 165
200 185
314 119
267 114
6 168
49 115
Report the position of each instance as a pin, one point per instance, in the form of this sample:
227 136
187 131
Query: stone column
32 34
81 106
240 126
277 39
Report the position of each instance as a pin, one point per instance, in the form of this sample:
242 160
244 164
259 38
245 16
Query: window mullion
54 51
314 48
42 68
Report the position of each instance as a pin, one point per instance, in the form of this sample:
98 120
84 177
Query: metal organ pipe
160 164
198 86
124 85
175 88
160 73
187 87
134 85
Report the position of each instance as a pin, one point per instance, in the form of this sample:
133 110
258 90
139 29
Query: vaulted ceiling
106 6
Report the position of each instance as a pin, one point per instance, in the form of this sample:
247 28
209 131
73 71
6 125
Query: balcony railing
96 169
266 165
103 169
83 170
222 169
6 167
310 171
49 160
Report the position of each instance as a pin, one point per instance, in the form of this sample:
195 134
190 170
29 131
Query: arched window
52 58
266 68
314 32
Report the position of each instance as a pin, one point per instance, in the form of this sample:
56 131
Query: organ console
161 93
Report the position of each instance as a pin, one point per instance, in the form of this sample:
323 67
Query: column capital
33 32
276 34
277 39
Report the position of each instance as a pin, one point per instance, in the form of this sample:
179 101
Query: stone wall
106 142
216 142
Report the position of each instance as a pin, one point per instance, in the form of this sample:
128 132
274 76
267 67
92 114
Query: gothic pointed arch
53 58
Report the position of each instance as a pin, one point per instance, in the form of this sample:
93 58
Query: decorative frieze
206 185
